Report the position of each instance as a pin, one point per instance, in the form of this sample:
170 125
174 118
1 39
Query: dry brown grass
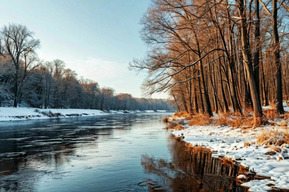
250 121
181 114
188 118
197 149
222 120
236 122
270 113
273 137
179 127
200 119
225 119
235 119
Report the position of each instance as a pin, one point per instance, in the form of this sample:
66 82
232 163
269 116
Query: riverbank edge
244 178
8 114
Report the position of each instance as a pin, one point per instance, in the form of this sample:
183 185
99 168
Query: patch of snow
242 177
266 107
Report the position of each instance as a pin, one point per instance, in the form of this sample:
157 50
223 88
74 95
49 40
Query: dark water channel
108 153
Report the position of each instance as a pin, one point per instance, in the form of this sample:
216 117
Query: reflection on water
192 169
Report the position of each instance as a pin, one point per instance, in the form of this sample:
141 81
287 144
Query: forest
26 80
217 55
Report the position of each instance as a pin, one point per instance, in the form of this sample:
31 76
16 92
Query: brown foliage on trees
212 55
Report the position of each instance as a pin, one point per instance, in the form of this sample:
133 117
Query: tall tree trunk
248 61
184 100
222 88
265 85
230 57
214 87
279 98
247 94
196 101
190 87
256 67
206 95
201 92
232 62
232 82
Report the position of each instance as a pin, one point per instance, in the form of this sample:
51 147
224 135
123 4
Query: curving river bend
107 153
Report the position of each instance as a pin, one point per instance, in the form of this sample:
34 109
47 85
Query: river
108 153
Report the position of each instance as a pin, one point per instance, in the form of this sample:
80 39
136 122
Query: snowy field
241 145
21 113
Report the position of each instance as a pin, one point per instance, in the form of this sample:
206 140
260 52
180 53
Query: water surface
80 154
109 153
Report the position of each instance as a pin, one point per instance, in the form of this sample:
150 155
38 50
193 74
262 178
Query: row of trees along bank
26 80
213 54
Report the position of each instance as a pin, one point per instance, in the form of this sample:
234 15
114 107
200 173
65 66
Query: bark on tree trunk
222 87
196 101
206 95
256 67
279 98
201 94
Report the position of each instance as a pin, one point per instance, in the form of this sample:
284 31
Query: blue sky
95 38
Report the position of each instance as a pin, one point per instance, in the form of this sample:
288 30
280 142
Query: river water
107 153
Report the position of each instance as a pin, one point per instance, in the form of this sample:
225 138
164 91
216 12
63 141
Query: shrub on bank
273 137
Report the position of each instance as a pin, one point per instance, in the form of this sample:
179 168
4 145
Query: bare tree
18 43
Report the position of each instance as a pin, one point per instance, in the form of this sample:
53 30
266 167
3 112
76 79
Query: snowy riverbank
241 145
16 114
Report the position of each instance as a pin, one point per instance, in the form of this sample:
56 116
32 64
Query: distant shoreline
8 114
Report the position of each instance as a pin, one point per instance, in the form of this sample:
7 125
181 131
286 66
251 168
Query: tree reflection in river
191 169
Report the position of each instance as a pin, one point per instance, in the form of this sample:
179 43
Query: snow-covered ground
12 114
21 113
241 145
